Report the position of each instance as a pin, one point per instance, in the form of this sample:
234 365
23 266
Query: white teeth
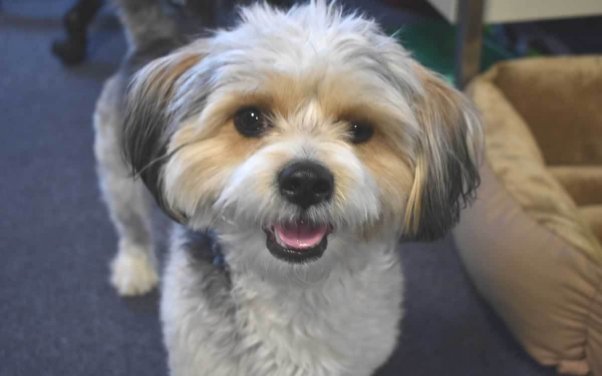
278 240
277 237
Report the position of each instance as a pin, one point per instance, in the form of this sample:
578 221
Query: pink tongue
300 235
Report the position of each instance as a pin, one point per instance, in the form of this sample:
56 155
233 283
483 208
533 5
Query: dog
294 150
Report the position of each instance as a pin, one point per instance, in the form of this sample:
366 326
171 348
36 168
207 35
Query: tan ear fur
446 167
151 118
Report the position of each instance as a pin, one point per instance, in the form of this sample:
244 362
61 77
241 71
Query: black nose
305 183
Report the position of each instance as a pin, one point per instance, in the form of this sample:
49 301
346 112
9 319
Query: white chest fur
345 324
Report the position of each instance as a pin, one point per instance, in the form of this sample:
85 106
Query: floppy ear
151 118
446 165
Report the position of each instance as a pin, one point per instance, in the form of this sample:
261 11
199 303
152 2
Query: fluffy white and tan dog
309 142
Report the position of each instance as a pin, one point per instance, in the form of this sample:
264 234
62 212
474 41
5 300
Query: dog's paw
133 272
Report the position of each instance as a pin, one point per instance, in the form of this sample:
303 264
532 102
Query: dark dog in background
72 49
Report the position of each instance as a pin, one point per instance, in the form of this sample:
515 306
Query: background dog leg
72 49
134 268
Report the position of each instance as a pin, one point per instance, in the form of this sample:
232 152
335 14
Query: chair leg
469 40
72 49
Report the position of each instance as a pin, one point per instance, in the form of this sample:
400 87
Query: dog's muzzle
304 184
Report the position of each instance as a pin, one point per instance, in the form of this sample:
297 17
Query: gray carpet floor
58 314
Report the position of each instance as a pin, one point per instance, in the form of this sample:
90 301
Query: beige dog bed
531 242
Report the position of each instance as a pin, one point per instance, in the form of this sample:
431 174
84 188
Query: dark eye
360 132
250 122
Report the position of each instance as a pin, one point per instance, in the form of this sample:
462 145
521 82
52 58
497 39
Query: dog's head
302 132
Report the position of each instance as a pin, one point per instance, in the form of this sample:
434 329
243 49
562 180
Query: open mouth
298 242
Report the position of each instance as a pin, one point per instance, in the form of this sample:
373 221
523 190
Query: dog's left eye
250 122
360 132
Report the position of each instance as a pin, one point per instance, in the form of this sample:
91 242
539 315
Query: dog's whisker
160 159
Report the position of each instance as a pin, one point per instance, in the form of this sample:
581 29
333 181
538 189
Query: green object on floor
433 44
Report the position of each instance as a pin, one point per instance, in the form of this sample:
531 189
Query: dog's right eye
250 122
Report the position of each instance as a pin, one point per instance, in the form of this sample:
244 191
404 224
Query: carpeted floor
58 314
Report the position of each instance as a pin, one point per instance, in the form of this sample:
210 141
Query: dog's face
300 135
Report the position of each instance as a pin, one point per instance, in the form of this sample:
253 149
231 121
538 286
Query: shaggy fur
314 72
